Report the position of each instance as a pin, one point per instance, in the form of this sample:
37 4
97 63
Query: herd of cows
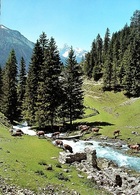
82 128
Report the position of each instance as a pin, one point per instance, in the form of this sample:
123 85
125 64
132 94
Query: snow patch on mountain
64 52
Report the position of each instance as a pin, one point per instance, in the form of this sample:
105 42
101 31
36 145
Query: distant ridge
12 39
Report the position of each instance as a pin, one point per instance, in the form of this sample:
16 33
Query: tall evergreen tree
87 65
21 86
49 89
98 58
73 105
32 84
106 43
9 88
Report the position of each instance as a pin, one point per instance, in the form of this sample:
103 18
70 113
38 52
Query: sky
73 22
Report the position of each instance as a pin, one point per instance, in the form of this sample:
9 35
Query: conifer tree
106 43
49 89
32 84
21 86
73 105
97 55
9 88
87 66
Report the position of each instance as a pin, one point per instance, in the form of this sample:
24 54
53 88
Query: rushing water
107 152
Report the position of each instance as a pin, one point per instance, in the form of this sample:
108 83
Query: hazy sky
75 22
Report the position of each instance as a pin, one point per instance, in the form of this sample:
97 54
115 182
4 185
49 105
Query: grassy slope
21 157
114 108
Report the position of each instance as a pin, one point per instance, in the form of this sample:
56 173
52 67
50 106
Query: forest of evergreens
50 91
116 59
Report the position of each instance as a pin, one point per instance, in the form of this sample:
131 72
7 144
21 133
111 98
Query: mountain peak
3 27
64 51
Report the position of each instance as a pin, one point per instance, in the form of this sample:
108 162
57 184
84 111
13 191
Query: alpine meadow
94 101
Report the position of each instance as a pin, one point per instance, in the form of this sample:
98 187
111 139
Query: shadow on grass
93 124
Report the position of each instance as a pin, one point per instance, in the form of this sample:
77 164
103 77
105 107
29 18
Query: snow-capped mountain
64 51
12 39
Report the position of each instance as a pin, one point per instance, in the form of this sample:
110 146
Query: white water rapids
106 152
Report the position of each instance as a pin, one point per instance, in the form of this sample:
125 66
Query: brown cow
117 132
16 134
67 147
95 129
83 128
55 134
19 130
40 133
134 147
59 143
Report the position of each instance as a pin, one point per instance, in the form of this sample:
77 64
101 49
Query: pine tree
115 61
98 58
73 105
106 43
32 84
87 65
9 88
21 86
49 90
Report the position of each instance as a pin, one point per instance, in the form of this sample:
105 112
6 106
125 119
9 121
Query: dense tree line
116 59
48 93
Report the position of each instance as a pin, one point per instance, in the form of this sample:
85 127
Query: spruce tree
73 107
9 88
98 58
32 84
49 89
21 86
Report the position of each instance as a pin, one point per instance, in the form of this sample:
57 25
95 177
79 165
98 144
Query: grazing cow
19 130
117 132
134 147
16 134
67 147
59 143
83 128
40 133
55 134
96 130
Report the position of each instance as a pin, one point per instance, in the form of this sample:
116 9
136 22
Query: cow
83 128
15 130
16 134
59 143
40 133
134 147
95 129
55 134
19 130
117 132
67 147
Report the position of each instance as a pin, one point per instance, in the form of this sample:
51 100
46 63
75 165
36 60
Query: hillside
116 111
